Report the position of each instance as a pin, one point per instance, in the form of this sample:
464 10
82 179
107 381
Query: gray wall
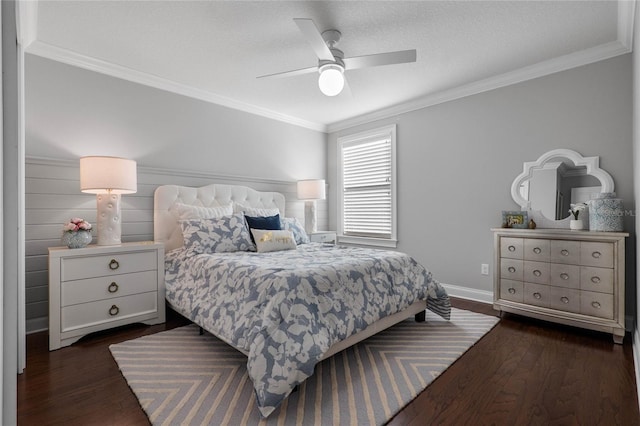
636 168
457 161
72 112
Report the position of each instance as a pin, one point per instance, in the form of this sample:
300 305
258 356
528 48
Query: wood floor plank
524 371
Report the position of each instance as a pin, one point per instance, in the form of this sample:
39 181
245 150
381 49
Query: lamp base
310 221
109 219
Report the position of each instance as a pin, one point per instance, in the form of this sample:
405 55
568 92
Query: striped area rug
182 378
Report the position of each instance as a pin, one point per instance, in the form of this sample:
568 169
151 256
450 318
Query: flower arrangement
76 224
576 209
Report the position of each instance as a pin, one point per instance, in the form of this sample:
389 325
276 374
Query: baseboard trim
36 325
469 293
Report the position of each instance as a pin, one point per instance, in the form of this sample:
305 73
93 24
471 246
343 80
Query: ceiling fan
331 61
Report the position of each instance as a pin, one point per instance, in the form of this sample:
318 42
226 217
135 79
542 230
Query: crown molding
79 60
27 20
626 17
541 69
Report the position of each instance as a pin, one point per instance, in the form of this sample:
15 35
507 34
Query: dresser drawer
536 294
77 268
511 269
596 304
596 254
92 289
511 248
564 299
511 290
536 272
104 311
596 279
562 275
565 252
537 249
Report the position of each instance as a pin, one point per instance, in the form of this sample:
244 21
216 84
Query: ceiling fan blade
313 36
399 57
291 73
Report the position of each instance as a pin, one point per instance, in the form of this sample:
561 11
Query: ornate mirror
560 177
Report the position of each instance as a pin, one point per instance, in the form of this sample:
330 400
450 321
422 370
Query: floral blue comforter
286 308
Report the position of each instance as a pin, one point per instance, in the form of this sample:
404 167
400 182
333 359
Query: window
367 182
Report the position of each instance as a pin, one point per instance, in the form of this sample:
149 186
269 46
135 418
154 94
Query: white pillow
255 211
267 240
185 211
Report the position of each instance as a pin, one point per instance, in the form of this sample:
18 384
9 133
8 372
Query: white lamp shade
331 80
99 175
312 189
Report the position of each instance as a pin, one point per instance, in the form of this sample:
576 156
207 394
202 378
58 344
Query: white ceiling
214 50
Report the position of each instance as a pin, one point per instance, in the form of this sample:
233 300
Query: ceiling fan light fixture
331 80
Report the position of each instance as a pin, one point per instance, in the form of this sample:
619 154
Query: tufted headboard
165 226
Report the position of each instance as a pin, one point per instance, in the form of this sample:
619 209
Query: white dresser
100 287
570 277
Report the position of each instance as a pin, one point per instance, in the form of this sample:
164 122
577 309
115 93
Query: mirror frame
593 168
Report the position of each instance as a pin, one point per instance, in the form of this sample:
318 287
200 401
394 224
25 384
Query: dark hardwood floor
523 372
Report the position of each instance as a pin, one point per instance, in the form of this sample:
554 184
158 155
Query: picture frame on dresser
570 277
100 287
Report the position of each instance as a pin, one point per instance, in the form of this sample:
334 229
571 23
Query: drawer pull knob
512 290
537 250
596 254
114 310
564 252
511 269
595 280
512 248
564 299
113 287
537 295
537 273
564 276
595 305
113 265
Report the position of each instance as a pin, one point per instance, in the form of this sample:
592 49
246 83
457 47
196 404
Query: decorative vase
606 213
77 239
576 224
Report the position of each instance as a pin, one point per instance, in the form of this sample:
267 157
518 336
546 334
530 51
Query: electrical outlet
484 269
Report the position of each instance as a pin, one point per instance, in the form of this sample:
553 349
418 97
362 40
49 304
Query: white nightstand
100 287
324 237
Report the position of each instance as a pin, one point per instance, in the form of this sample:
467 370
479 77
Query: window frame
384 132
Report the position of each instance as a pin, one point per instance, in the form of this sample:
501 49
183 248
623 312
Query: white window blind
367 186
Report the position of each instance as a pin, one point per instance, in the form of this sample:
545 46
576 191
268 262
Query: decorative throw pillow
225 234
254 211
273 240
293 224
185 211
269 222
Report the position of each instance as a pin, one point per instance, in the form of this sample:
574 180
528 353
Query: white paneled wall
53 196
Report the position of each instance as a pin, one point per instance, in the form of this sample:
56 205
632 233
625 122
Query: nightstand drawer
323 237
77 268
92 289
104 311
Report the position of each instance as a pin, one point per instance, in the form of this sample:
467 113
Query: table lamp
310 191
108 178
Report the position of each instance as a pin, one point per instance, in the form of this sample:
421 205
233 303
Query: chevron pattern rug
182 378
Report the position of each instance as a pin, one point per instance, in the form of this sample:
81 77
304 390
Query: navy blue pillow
271 223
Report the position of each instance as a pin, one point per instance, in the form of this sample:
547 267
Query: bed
285 309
